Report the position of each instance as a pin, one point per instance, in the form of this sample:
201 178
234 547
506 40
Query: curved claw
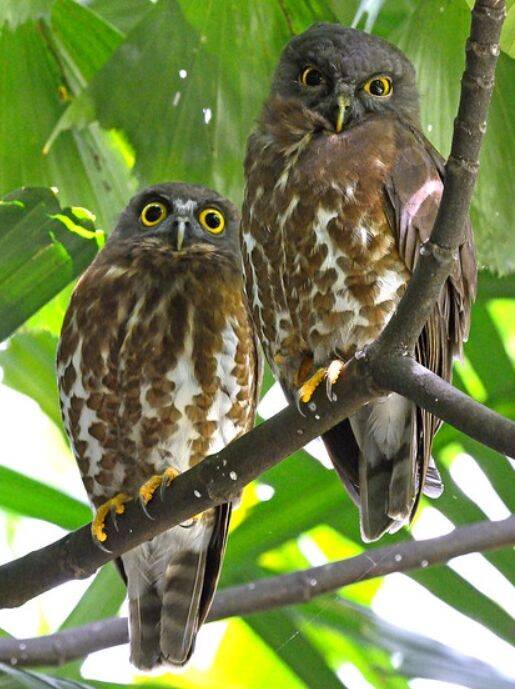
143 505
190 522
298 403
114 506
334 371
167 477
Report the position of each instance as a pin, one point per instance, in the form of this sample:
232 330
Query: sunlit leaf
43 247
28 364
85 166
30 498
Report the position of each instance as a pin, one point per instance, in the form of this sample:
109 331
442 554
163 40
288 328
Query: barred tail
144 621
184 580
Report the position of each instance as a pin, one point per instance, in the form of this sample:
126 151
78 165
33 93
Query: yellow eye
212 220
153 213
310 76
379 86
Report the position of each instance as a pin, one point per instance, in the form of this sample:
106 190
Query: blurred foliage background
102 97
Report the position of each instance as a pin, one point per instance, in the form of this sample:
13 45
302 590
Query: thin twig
272 592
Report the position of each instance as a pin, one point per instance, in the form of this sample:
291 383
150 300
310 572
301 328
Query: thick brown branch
220 476
410 379
272 592
215 480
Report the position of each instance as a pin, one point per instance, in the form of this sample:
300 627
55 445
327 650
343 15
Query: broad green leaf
284 637
124 14
43 247
12 678
50 316
102 599
457 507
508 33
418 656
83 57
31 498
434 39
14 12
28 364
452 589
484 346
86 166
491 286
167 102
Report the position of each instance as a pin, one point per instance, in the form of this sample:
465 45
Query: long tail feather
181 601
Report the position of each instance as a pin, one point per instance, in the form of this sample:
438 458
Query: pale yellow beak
343 104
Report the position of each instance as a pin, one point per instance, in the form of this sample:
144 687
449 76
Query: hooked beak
180 227
343 104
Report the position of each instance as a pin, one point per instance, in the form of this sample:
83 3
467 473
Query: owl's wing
413 191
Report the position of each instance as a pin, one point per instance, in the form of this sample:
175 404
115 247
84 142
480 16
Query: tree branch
217 478
410 379
272 592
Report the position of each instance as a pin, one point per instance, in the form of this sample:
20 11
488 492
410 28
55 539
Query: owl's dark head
182 215
344 74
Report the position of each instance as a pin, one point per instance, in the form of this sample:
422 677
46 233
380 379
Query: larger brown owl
157 368
342 189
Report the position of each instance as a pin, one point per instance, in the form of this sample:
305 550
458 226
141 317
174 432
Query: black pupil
153 213
312 77
377 87
212 221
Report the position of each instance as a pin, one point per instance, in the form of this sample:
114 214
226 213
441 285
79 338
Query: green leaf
30 498
283 637
87 166
445 23
168 102
484 346
102 599
15 12
124 14
12 678
43 247
419 656
83 57
452 589
28 364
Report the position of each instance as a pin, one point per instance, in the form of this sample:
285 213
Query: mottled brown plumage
157 368
332 225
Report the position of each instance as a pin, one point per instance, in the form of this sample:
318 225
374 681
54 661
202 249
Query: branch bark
220 476
272 592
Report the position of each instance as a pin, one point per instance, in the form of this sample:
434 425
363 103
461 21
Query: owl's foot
307 390
330 374
161 481
115 505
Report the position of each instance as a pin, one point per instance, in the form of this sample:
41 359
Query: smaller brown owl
158 368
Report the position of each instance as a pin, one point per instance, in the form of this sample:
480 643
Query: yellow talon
331 373
307 390
147 490
117 503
